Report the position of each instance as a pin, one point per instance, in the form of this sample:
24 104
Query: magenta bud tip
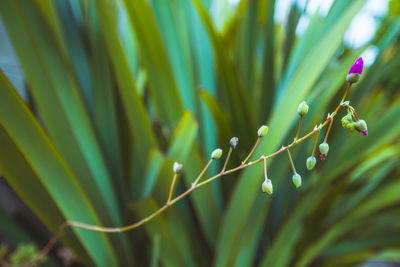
322 156
365 132
357 66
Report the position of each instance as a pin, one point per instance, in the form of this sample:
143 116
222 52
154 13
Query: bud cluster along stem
267 186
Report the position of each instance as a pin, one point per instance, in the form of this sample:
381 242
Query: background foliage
116 91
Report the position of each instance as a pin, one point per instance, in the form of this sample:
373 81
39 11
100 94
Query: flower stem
298 130
252 151
315 143
329 129
195 186
353 112
291 161
227 159
191 189
202 172
345 93
265 168
172 187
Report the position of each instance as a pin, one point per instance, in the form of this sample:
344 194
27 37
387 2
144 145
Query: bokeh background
98 98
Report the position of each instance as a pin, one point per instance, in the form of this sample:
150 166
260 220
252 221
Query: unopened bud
177 167
351 126
302 108
355 71
262 131
346 120
310 163
233 142
296 179
353 78
267 187
361 126
324 148
216 154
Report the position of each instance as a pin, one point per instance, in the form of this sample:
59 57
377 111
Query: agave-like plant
120 90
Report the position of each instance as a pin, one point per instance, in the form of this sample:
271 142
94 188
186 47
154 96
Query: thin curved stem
315 143
202 172
345 94
265 168
171 190
354 112
194 186
298 130
329 129
291 161
252 150
227 159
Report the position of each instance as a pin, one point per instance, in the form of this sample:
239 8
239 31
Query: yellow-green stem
345 93
202 172
252 150
227 159
298 130
265 168
291 161
340 104
195 186
329 129
171 190
315 143
354 112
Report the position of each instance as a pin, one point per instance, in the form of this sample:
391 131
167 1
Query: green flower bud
267 187
302 108
324 148
233 142
177 167
310 163
296 179
262 131
216 154
353 77
351 126
346 120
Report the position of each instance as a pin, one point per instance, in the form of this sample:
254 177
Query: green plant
116 100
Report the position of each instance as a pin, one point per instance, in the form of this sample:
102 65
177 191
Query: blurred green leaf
26 183
236 99
161 80
139 123
114 92
52 171
219 116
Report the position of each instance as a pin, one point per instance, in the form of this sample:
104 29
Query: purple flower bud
362 127
357 66
355 71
